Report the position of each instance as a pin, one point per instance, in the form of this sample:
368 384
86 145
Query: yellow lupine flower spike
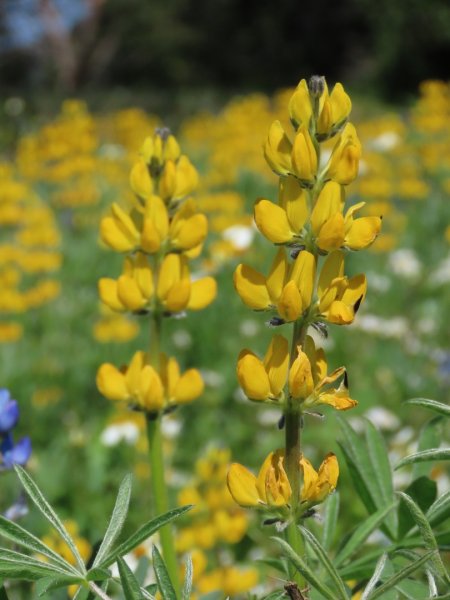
264 380
310 383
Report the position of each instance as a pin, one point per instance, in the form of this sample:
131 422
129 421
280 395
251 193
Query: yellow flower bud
304 157
140 181
300 109
301 383
344 161
277 150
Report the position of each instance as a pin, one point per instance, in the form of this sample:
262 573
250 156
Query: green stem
292 457
157 480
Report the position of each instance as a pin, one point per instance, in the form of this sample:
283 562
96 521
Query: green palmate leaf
130 585
380 461
10 569
360 466
46 584
117 520
330 520
97 574
425 456
304 569
362 532
142 534
276 563
19 558
323 558
42 504
439 511
375 577
401 575
439 407
412 589
426 533
429 437
162 576
21 537
187 586
423 491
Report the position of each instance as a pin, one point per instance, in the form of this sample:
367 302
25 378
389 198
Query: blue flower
9 412
14 453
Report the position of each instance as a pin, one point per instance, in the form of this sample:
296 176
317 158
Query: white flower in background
405 263
385 141
249 328
239 236
268 416
116 433
212 379
441 275
383 418
397 327
170 428
182 339
377 282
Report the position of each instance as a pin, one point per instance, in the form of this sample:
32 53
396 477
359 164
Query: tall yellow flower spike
307 287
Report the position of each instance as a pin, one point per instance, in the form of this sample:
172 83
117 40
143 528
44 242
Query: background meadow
65 158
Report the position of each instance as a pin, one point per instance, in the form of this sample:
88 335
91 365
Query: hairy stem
98 591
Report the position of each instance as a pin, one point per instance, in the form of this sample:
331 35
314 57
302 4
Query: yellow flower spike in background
264 380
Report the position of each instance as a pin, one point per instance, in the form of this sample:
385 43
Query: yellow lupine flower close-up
310 382
271 488
339 296
288 289
264 380
142 386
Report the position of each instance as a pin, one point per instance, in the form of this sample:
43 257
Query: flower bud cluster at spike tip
160 232
11 453
271 491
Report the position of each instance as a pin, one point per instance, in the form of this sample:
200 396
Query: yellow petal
191 233
289 305
262 475
333 267
327 477
272 222
171 150
186 177
304 273
203 292
119 231
168 180
251 287
252 376
309 480
278 489
133 374
341 104
178 296
111 383
301 384
304 157
107 289
143 275
242 486
340 313
277 276
294 200
152 399
129 294
140 180
363 232
329 202
300 109
169 274
338 399
277 150
276 363
169 371
189 387
344 161
332 233
355 290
